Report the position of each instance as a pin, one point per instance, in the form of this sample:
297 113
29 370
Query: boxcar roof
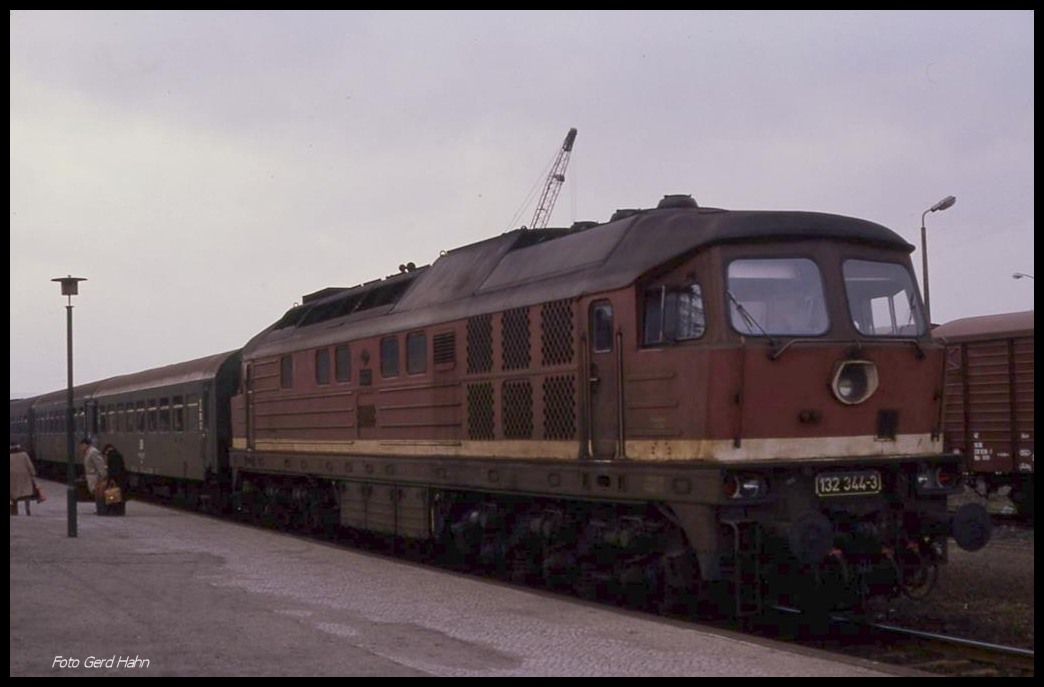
169 375
526 267
987 327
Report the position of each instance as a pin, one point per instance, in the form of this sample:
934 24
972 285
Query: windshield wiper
748 318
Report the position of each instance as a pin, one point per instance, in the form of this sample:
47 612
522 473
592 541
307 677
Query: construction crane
554 183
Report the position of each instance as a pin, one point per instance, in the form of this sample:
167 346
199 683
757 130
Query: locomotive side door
603 382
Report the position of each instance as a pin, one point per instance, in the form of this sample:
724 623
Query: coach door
603 382
248 405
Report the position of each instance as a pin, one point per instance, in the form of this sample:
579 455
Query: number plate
848 483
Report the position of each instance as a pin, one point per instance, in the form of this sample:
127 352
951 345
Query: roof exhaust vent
624 214
677 200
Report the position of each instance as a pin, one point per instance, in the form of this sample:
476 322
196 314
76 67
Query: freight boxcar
989 401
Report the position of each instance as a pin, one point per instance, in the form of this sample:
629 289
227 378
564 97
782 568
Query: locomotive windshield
882 299
778 297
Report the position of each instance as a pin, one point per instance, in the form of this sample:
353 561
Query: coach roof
169 375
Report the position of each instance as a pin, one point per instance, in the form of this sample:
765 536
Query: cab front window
882 299
777 296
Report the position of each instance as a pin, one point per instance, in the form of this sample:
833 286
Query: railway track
956 655
930 652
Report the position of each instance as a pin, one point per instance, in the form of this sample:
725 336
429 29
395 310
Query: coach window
673 313
103 425
416 353
139 413
602 327
322 366
390 356
343 363
179 414
192 412
153 415
164 415
286 372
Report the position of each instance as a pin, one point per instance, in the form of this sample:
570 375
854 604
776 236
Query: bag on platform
113 495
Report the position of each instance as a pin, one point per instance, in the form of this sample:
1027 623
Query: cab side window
673 313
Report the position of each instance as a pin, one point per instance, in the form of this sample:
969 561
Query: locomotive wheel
676 574
919 575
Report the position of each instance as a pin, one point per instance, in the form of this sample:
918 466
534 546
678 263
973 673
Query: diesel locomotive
679 400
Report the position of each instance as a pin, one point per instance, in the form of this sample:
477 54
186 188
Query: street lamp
1020 275
946 202
70 288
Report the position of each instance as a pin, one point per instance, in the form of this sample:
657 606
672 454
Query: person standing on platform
95 470
117 473
23 486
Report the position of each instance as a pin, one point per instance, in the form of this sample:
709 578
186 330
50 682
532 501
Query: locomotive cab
817 391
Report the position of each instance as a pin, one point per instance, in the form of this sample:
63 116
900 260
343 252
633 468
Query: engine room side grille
480 411
560 407
515 339
517 407
444 346
480 344
556 335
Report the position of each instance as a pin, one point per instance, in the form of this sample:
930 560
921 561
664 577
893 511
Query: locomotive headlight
937 478
854 381
744 486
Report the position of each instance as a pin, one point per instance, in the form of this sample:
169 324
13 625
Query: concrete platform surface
192 595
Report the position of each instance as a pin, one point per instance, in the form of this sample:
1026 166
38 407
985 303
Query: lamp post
1020 275
946 202
70 288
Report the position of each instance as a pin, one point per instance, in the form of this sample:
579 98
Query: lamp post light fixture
946 202
70 287
1020 275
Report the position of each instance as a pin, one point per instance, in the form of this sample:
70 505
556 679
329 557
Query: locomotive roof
526 267
987 327
179 373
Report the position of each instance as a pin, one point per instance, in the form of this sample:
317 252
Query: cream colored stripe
819 448
723 451
556 450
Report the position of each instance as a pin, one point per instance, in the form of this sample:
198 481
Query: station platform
173 593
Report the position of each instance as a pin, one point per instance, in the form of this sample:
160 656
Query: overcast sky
203 170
